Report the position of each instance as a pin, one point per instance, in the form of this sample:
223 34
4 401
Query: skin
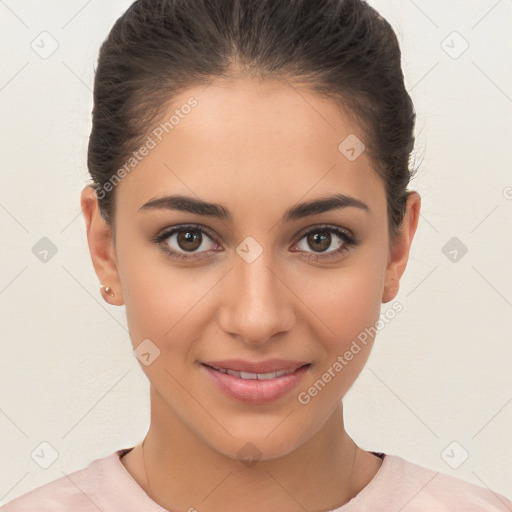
258 148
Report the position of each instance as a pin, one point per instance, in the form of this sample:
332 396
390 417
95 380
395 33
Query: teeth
271 375
253 376
247 375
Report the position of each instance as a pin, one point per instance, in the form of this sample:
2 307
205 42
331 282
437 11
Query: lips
268 366
254 375
256 387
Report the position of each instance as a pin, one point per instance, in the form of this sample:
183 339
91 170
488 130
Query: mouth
255 375
261 367
234 379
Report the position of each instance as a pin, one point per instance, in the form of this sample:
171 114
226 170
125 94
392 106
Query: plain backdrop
437 388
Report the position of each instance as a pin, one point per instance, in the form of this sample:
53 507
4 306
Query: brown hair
340 48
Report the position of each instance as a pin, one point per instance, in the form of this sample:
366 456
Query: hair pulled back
339 48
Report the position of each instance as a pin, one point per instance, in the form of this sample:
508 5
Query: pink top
105 485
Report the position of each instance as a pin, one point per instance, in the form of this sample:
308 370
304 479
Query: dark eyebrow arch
299 211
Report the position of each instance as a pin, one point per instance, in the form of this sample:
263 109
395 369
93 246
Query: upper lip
267 366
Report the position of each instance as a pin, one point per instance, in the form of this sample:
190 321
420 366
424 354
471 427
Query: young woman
249 206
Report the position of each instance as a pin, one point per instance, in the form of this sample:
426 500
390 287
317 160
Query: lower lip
253 391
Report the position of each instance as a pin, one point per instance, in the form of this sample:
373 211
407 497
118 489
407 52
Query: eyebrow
299 211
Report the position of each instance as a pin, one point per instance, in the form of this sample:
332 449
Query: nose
257 304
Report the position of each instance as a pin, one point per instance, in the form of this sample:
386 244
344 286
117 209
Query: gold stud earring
108 290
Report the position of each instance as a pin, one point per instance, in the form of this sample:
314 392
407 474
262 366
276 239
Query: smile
256 388
253 376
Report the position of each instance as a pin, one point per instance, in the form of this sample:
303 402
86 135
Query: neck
185 473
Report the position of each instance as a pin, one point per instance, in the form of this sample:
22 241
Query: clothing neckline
346 507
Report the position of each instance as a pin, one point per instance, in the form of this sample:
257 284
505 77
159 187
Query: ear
101 247
399 250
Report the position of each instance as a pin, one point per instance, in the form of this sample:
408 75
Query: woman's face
257 284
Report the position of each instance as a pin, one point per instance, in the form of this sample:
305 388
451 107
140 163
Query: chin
253 445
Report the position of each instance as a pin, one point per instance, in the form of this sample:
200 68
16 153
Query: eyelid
169 231
327 227
179 255
349 241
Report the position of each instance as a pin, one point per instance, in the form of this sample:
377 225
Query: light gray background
439 372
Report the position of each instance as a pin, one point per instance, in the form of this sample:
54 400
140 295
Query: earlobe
99 238
399 251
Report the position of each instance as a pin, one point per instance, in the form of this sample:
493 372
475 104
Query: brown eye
187 242
320 242
316 242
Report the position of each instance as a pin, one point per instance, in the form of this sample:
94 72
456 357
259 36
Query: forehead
253 142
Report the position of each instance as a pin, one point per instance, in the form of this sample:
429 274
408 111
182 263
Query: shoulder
78 491
414 488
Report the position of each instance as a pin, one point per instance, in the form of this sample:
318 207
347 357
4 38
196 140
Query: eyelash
349 241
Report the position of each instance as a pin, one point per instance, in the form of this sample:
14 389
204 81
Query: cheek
349 306
346 302
164 304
